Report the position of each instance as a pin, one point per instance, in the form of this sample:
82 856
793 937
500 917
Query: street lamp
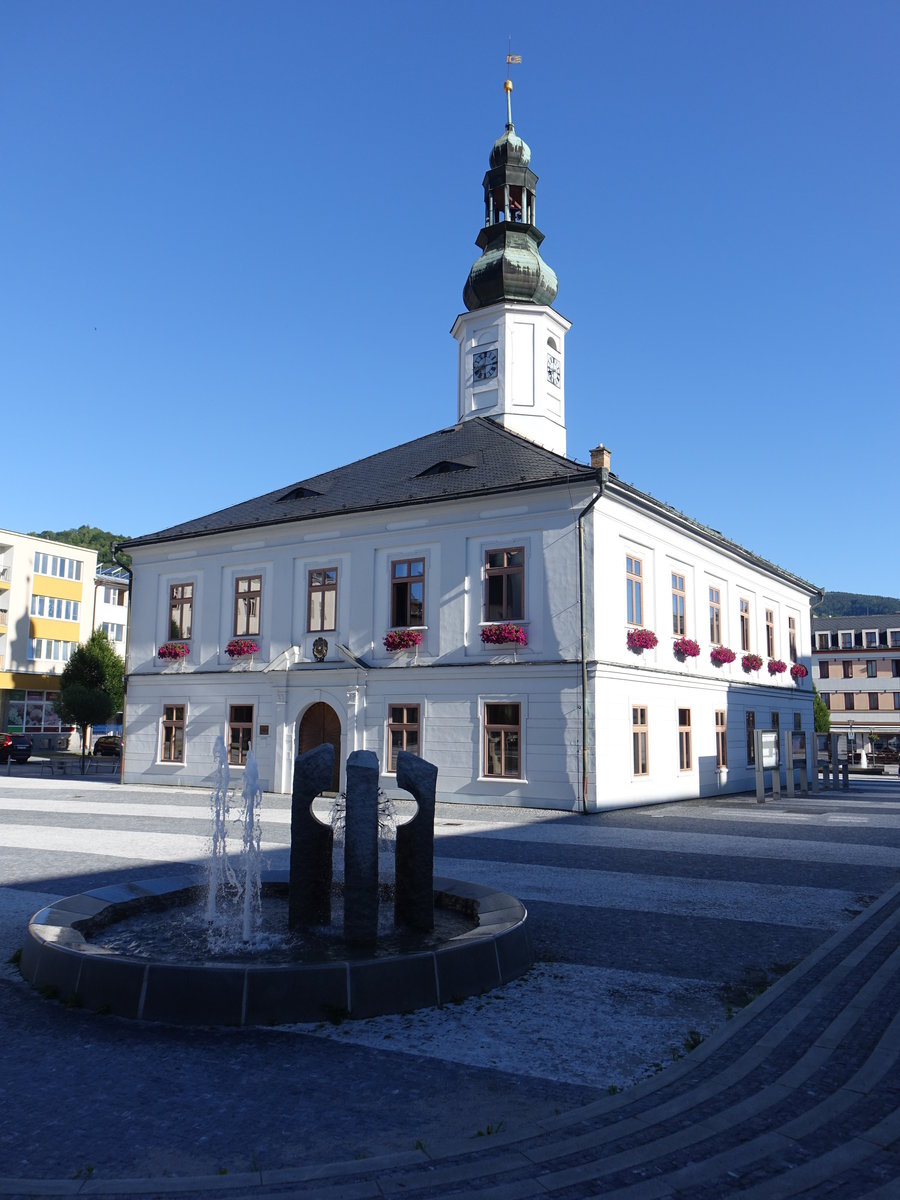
851 743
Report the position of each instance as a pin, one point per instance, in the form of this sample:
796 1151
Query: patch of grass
15 958
420 1145
612 1090
334 1014
693 1040
84 1172
490 1130
49 991
74 1001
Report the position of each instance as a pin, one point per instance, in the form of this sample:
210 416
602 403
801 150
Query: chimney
600 457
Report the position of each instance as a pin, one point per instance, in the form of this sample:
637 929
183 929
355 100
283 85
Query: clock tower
511 342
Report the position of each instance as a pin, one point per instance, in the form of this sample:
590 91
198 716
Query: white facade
110 605
453 676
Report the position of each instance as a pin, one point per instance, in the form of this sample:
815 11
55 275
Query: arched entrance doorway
320 724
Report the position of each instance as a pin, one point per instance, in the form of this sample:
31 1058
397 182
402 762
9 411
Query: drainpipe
600 459
115 553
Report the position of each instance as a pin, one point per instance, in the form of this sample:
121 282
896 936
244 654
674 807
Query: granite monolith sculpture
309 889
414 870
361 850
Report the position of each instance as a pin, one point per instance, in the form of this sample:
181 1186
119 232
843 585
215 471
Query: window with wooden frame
893 637
745 624
321 599
849 701
826 698
770 633
634 590
873 701
407 592
240 733
678 605
847 669
504 584
640 741
895 668
870 638
871 668
715 616
792 639
685 760
721 738
171 742
181 611
896 700
751 744
247 605
503 740
846 639
404 732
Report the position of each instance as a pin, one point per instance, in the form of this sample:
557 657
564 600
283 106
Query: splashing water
220 874
251 852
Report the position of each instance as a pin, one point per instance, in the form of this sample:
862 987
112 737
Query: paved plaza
713 1012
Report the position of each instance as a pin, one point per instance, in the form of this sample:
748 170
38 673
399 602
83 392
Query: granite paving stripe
798 870
110 843
865 851
699 948
677 896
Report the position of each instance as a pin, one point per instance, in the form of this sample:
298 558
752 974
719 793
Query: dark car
15 746
109 745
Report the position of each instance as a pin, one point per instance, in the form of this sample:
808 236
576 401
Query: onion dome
510 267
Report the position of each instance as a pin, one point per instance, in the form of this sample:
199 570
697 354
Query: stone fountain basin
58 960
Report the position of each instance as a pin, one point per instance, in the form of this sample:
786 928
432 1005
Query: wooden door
318 725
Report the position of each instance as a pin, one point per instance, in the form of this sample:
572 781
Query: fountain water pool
60 958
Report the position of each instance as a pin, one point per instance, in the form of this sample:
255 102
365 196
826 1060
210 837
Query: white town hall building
267 622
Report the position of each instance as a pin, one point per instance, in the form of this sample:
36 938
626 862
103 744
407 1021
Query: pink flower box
641 639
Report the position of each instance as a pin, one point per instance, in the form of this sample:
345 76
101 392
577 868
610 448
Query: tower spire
510 267
507 85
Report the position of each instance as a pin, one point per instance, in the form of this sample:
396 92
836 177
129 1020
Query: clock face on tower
553 369
484 365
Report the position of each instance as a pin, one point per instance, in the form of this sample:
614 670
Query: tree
95 539
821 715
92 686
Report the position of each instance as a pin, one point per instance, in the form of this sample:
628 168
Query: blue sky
234 237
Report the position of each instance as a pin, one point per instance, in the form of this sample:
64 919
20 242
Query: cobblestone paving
706 902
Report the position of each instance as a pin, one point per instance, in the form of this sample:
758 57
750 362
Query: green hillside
854 604
95 539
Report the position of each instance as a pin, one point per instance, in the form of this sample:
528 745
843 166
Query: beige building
856 668
51 597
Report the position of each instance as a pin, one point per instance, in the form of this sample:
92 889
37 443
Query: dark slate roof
476 457
878 621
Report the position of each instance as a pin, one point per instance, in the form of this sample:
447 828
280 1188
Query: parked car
15 746
109 745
